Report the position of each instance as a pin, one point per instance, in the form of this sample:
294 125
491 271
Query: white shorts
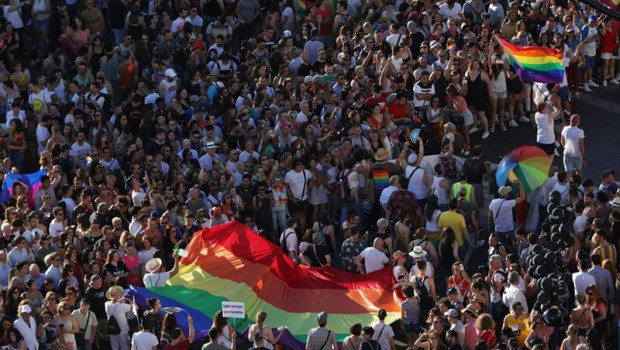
607 55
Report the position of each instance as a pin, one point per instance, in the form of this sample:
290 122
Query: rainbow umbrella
529 164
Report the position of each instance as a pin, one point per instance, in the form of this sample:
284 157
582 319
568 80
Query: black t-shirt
98 299
475 170
370 345
316 255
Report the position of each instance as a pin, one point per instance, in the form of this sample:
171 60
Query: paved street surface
600 120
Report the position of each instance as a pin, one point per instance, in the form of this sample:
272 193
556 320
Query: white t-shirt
80 153
581 281
544 130
118 310
56 228
383 333
143 341
156 279
295 181
502 214
43 134
28 331
416 182
374 259
497 279
291 239
572 135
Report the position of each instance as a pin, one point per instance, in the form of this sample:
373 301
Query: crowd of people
311 123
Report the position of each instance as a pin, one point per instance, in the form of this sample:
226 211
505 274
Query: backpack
426 302
113 327
107 103
345 189
283 241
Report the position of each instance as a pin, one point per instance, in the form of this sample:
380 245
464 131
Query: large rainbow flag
232 263
534 63
32 180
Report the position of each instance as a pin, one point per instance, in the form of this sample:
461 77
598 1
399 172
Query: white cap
412 158
171 73
26 309
287 34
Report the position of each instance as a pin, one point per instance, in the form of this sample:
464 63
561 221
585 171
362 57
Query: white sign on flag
233 309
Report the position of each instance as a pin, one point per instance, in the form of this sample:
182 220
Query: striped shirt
318 336
411 310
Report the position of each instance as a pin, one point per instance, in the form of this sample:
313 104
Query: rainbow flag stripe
301 8
382 178
231 263
534 63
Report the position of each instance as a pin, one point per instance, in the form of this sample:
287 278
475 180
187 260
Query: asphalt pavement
600 120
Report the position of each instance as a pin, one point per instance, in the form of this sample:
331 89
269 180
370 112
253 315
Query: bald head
575 119
34 270
378 243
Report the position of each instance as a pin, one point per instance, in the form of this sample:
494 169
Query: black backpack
113 327
426 302
283 242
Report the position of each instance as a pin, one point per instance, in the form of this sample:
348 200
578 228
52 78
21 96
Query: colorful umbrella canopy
529 164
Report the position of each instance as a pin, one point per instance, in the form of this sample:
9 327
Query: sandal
502 126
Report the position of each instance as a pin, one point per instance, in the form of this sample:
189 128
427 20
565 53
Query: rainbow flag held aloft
302 8
534 63
232 263
32 180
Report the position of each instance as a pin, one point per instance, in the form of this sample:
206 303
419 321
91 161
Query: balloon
543 270
550 207
556 238
550 258
555 228
532 272
559 213
565 228
569 241
537 249
547 284
553 317
543 298
538 259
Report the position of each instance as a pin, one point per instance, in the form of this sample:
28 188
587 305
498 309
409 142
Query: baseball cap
170 73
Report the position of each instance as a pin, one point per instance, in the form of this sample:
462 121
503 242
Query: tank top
442 196
171 90
431 225
416 182
457 186
499 84
435 113
476 89
39 6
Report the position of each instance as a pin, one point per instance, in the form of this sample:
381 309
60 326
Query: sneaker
615 81
512 123
593 84
557 144
556 153
479 243
524 119
485 135
586 88
604 83
466 154
578 94
473 130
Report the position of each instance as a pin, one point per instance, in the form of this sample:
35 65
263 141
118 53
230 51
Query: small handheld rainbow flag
534 63
301 8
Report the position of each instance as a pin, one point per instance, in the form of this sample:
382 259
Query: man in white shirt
513 293
387 192
27 327
298 182
574 146
80 150
115 307
43 133
374 257
450 9
500 213
384 334
581 279
144 340
57 224
87 323
289 239
178 24
52 260
156 277
456 324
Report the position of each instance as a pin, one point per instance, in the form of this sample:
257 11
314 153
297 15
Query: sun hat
504 190
114 292
397 255
153 265
418 252
470 308
381 155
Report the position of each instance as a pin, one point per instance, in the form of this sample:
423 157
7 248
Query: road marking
602 103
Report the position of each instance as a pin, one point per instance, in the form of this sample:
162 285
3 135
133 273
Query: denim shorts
499 94
564 93
590 60
572 163
42 24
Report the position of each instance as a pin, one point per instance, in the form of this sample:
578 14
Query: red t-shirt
184 345
326 20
